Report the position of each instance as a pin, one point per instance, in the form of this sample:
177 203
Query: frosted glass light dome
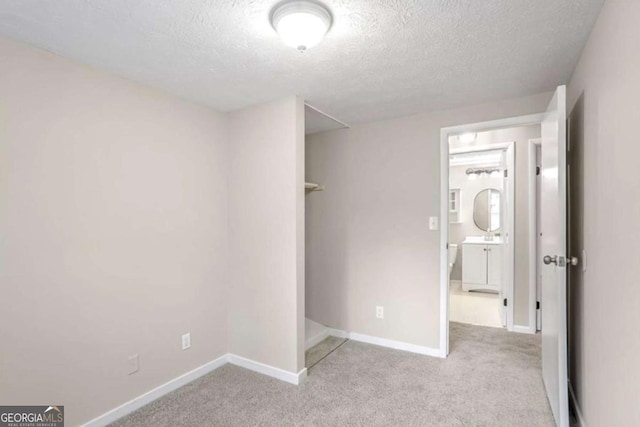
301 24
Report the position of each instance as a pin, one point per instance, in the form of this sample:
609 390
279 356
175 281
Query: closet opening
320 339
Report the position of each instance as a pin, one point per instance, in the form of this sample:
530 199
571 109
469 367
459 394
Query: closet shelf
310 187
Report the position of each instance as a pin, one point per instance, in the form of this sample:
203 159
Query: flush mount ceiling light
301 24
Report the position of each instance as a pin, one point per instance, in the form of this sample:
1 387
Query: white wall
266 214
604 341
368 241
130 217
114 234
521 136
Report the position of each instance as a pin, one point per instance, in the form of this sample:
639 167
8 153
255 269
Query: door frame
533 146
445 133
508 256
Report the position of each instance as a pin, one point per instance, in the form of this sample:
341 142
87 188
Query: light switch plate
134 364
433 223
186 341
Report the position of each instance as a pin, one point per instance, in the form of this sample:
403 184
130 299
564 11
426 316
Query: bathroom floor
475 308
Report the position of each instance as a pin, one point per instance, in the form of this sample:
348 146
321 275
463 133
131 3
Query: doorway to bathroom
481 229
486 169
551 128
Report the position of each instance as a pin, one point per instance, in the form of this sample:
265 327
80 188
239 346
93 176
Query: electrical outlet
134 364
380 312
186 341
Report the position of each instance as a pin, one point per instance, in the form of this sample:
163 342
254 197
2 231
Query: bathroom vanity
482 264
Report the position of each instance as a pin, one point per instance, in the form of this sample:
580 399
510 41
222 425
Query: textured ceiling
381 58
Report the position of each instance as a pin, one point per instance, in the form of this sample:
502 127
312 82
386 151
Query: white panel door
474 264
554 251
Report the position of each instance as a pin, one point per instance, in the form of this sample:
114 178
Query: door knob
574 261
560 261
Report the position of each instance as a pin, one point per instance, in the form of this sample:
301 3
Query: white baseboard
338 333
523 330
383 342
271 371
268 370
150 396
576 407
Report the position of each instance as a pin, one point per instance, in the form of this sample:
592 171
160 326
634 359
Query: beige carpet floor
491 378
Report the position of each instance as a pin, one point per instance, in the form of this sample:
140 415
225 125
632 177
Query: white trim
576 407
383 342
444 239
148 397
523 329
533 237
171 385
268 370
489 147
261 368
398 345
444 211
338 333
510 254
510 122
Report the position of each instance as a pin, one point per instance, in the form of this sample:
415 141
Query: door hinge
506 173
537 305
537 170
504 302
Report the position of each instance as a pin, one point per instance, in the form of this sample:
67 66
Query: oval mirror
486 210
